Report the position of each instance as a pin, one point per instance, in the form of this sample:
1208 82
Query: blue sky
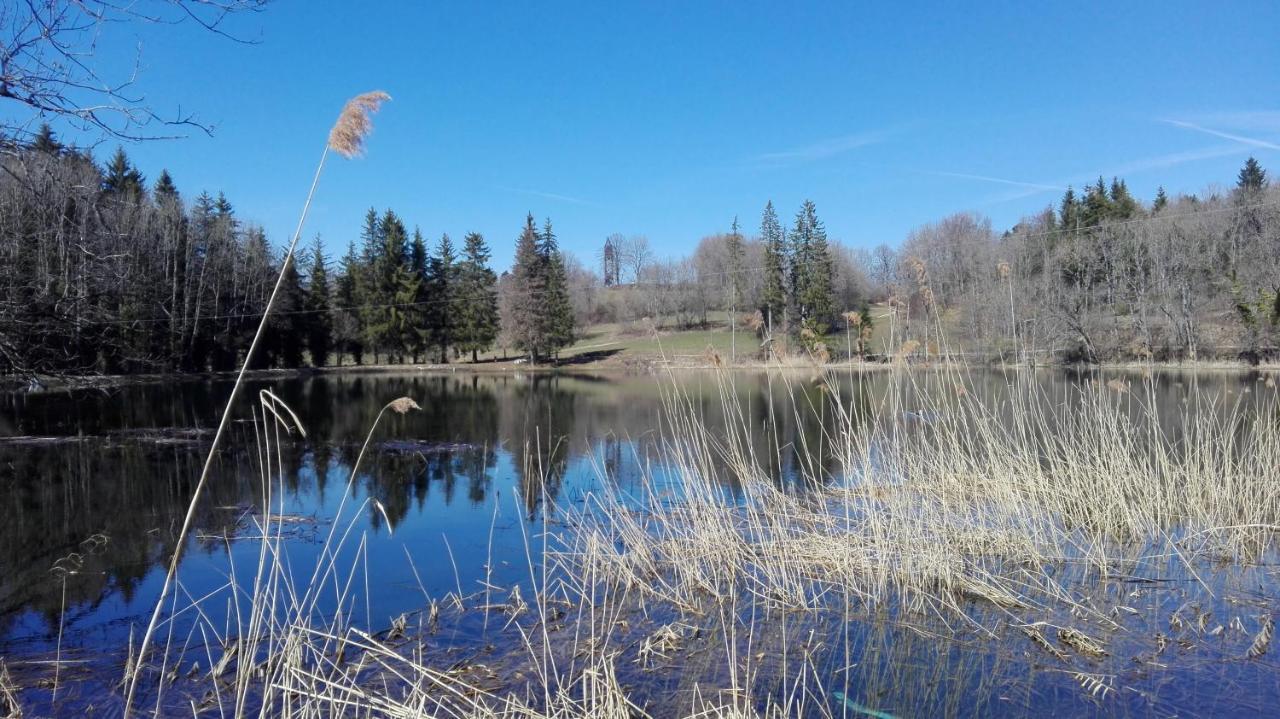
668 119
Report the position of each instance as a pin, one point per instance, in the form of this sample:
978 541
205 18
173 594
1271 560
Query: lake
454 504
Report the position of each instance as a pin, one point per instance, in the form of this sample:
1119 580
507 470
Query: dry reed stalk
347 138
1262 640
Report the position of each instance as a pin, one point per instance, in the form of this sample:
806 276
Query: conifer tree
1252 178
368 297
816 280
319 319
528 288
734 252
350 325
1097 205
478 299
165 189
441 283
394 288
122 178
289 321
1069 211
1161 201
421 311
45 141
1123 204
773 299
558 308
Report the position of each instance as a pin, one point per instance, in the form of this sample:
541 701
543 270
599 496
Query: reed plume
355 123
347 139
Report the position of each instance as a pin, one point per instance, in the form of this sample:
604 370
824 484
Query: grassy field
624 343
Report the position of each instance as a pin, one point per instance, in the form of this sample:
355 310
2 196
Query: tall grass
346 138
950 513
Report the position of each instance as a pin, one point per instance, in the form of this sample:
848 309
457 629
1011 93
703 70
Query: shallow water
95 484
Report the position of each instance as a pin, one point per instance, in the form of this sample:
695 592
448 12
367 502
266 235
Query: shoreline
643 365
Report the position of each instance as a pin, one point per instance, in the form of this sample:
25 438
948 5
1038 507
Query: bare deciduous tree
47 62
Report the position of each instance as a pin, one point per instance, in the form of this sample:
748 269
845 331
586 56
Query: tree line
1100 277
103 272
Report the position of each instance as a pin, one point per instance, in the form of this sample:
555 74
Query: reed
347 138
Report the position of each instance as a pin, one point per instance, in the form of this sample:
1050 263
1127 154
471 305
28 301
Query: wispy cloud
822 149
1266 121
1037 186
1156 162
547 195
1251 141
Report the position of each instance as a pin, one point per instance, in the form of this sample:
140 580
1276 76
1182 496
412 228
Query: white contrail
1255 142
823 149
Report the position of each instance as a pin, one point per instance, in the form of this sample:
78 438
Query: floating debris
1262 641
1033 633
1080 642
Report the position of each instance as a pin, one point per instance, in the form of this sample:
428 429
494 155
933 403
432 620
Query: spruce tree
1161 201
122 178
319 322
816 288
393 288
478 299
421 311
1069 211
369 297
1251 180
1097 205
45 141
734 266
558 317
528 288
773 299
1123 204
441 271
289 320
165 189
351 334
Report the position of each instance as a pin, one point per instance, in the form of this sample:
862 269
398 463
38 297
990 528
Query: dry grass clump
955 500
975 512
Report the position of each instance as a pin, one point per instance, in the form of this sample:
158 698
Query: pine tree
368 295
774 296
558 317
799 246
1097 205
288 321
528 287
319 320
478 315
393 289
122 178
1123 204
815 287
45 141
1161 201
351 325
165 189
1251 180
734 253
441 284
1069 212
421 312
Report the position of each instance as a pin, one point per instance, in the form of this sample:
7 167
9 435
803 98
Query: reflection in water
95 483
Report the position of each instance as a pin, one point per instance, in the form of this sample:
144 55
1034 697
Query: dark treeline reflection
93 484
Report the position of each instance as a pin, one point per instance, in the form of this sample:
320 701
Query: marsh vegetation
741 544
